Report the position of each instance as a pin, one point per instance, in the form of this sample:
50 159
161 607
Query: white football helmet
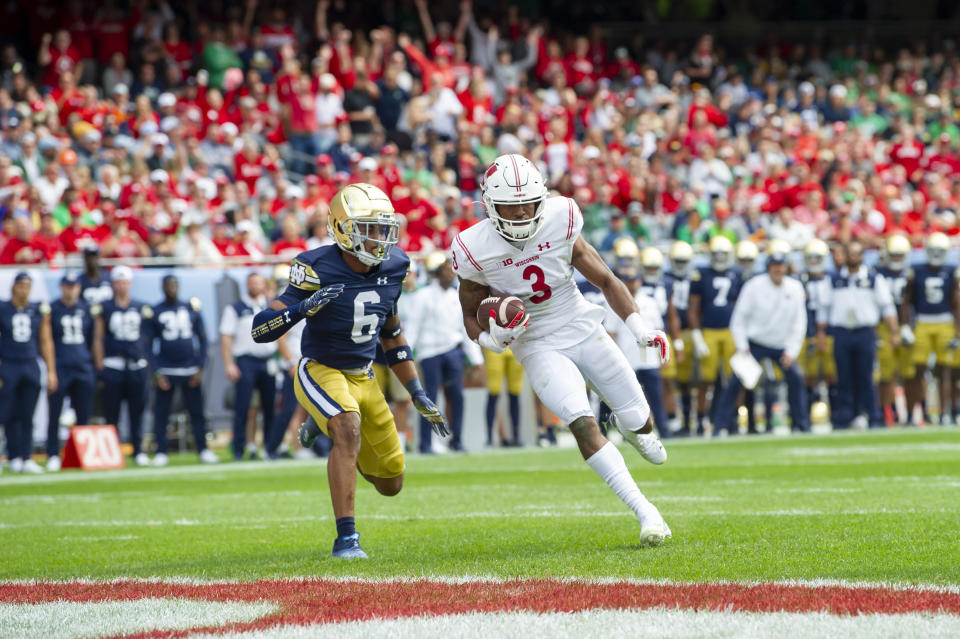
513 179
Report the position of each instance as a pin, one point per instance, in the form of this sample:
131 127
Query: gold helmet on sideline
681 255
434 261
361 213
652 260
815 256
937 246
747 253
721 253
626 256
898 252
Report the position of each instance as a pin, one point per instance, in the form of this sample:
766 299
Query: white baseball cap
166 100
121 273
244 226
367 164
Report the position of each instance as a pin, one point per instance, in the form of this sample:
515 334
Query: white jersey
539 271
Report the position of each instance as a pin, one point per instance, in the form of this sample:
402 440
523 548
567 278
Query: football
508 310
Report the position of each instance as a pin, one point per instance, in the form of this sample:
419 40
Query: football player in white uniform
529 247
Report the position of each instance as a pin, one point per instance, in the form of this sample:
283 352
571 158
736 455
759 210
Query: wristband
394 333
399 355
635 324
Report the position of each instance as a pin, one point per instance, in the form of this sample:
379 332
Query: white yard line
64 620
649 624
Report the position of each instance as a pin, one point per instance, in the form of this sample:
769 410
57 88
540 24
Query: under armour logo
381 281
545 245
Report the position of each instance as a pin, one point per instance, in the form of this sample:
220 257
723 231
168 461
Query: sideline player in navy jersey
24 335
120 356
348 293
178 362
94 284
713 292
72 326
931 293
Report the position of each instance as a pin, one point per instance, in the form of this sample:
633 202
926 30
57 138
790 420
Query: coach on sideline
769 321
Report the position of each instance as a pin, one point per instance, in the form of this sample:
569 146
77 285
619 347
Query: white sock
608 463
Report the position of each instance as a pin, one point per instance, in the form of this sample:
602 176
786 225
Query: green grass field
881 506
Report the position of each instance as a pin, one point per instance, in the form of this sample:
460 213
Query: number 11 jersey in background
343 335
539 271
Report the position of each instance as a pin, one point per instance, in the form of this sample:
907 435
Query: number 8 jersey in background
538 271
19 330
344 334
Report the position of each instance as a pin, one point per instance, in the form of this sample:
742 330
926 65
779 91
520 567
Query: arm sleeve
739 321
884 298
228 322
464 264
823 300
201 332
799 328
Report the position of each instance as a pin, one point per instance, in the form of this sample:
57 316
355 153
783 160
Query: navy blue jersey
896 280
124 334
680 296
931 289
95 292
659 291
72 328
178 328
19 330
718 292
343 335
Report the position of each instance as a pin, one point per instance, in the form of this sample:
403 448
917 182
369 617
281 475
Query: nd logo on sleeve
298 274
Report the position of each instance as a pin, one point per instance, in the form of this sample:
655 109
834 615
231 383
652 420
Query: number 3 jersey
539 271
343 334
19 328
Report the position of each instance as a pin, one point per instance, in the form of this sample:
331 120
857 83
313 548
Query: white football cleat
53 464
141 459
32 467
16 465
207 456
653 529
647 444
161 459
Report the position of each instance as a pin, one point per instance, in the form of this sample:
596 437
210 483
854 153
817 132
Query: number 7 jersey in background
343 335
539 271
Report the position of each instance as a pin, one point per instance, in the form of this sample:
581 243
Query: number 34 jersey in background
343 335
539 271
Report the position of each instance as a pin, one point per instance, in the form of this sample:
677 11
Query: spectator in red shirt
47 240
58 58
248 165
581 72
291 243
432 71
20 248
367 172
221 237
302 125
908 153
424 219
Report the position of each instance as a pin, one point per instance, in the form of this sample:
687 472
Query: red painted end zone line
320 601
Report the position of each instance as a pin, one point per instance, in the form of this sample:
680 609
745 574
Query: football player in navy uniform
713 292
95 287
24 335
347 293
816 357
72 326
177 343
120 356
931 294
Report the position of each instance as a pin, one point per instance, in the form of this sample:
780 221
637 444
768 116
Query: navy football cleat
348 547
309 432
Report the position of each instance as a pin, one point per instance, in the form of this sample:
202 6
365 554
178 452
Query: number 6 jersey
539 271
343 335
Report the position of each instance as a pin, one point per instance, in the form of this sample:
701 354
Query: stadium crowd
143 131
